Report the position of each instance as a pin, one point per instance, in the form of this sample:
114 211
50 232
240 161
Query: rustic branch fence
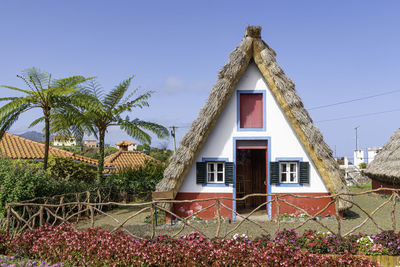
87 205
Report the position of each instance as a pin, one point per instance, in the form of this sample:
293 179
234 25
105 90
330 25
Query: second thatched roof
386 165
254 48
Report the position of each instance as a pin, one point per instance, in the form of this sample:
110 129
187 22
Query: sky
334 51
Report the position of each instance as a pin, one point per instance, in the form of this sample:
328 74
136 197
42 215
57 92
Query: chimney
123 146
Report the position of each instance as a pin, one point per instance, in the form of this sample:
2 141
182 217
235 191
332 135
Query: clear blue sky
332 50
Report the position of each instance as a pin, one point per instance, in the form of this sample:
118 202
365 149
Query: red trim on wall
312 206
186 209
251 110
377 185
251 147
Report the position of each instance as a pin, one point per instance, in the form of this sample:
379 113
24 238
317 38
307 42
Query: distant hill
32 135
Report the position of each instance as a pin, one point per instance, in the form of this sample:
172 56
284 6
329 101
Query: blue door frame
268 139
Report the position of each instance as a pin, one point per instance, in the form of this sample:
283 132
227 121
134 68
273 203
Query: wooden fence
87 205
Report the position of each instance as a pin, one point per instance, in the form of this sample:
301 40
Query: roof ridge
112 157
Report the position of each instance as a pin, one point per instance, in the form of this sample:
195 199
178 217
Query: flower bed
12 261
98 247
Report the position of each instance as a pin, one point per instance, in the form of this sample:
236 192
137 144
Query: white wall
284 142
372 151
358 157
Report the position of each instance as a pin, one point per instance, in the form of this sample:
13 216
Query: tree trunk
100 166
47 139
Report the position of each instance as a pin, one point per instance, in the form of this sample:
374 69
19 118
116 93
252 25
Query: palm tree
92 111
41 92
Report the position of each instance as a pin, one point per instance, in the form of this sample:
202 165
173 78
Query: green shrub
362 165
21 180
66 169
140 181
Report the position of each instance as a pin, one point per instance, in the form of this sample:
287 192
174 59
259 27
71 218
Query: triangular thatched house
384 170
252 136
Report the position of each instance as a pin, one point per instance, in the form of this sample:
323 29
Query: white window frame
215 172
288 172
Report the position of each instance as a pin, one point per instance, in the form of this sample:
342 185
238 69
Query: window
251 110
288 172
215 172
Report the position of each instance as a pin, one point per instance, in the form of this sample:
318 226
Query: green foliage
94 111
366 186
20 180
362 165
66 169
41 92
140 181
162 155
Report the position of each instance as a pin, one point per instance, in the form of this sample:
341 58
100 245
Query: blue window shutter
201 173
304 173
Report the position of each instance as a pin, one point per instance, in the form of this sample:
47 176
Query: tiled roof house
124 159
16 147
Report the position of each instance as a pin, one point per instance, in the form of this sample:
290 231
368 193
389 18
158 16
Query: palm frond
18 89
139 102
70 117
37 77
13 105
8 98
7 121
135 132
70 82
136 127
92 87
37 121
86 101
115 96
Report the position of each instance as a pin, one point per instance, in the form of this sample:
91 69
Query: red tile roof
16 147
125 143
127 159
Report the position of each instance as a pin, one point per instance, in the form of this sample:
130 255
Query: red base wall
312 206
377 185
186 209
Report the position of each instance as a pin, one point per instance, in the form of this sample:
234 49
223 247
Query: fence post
88 202
8 218
62 207
153 228
338 219
394 197
278 214
218 217
91 215
41 216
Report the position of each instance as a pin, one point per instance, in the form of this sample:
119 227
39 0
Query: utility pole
173 136
356 128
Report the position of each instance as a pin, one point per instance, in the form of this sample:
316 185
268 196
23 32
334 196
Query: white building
372 151
359 157
252 136
64 140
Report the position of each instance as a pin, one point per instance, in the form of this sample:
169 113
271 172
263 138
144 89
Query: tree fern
41 92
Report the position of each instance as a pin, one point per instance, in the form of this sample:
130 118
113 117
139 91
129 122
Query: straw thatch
385 167
253 48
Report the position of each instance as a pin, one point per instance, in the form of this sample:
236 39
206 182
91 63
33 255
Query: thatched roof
253 48
386 165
